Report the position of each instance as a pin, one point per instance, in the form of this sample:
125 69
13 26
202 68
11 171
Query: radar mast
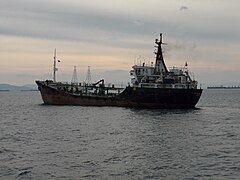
160 67
54 65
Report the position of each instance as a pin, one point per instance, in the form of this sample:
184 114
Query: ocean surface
73 142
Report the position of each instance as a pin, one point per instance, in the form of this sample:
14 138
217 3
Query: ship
151 86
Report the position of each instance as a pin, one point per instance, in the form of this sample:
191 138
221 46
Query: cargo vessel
152 86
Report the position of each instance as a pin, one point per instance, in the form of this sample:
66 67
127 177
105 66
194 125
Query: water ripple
71 142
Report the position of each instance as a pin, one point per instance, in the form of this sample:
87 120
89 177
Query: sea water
73 142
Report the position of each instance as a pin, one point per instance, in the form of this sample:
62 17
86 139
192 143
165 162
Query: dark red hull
130 97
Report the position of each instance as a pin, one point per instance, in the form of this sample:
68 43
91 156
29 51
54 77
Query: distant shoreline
223 87
30 90
15 88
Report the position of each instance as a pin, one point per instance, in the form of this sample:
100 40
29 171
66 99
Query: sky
111 35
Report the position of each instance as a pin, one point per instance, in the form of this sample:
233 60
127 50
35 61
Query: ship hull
130 97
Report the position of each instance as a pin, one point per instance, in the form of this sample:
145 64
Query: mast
74 76
160 67
88 77
54 65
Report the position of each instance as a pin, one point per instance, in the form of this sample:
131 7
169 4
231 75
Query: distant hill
9 87
31 86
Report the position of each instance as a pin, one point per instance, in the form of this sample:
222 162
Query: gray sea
74 142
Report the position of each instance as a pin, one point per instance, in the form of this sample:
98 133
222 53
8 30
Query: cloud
105 23
138 23
183 8
118 30
82 26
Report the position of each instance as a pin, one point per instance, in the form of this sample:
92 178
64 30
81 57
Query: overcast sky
110 35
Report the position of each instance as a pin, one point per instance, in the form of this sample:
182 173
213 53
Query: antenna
54 65
161 38
74 76
88 77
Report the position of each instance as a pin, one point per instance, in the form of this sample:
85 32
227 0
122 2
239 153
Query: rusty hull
130 97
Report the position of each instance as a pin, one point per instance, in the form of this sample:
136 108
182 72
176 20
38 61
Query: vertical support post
54 66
